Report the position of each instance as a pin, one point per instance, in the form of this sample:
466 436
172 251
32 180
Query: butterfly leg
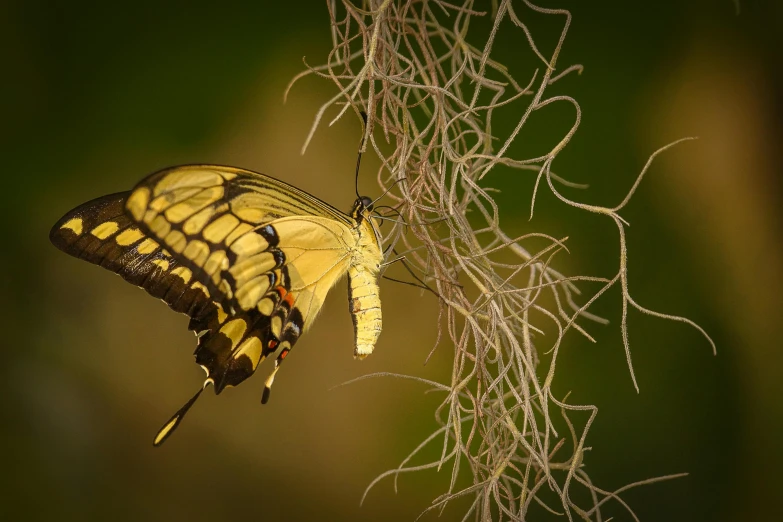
396 260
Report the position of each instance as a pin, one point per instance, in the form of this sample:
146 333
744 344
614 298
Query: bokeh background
95 96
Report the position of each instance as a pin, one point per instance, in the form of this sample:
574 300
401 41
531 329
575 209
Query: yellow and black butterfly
247 257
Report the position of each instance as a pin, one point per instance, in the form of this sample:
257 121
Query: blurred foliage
98 95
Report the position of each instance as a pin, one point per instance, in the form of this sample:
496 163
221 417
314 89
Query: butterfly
247 257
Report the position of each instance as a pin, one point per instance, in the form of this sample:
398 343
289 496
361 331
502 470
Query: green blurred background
96 96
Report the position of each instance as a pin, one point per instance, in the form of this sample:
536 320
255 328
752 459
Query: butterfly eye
367 203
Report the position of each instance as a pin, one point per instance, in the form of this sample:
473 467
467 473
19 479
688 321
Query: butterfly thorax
366 253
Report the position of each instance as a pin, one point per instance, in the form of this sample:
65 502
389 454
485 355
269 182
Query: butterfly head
361 207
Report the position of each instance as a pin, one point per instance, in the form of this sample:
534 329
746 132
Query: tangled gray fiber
430 93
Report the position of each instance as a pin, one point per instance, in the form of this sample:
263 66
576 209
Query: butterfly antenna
361 147
174 421
389 190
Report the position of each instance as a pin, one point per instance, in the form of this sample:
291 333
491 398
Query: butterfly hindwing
231 350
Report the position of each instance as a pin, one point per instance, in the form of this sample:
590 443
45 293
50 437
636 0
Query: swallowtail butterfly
247 257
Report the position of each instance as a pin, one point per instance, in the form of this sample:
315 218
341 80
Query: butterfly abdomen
365 307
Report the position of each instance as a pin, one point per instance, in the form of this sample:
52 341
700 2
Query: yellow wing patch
74 224
105 229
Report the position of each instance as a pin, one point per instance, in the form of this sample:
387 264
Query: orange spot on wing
286 296
283 354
